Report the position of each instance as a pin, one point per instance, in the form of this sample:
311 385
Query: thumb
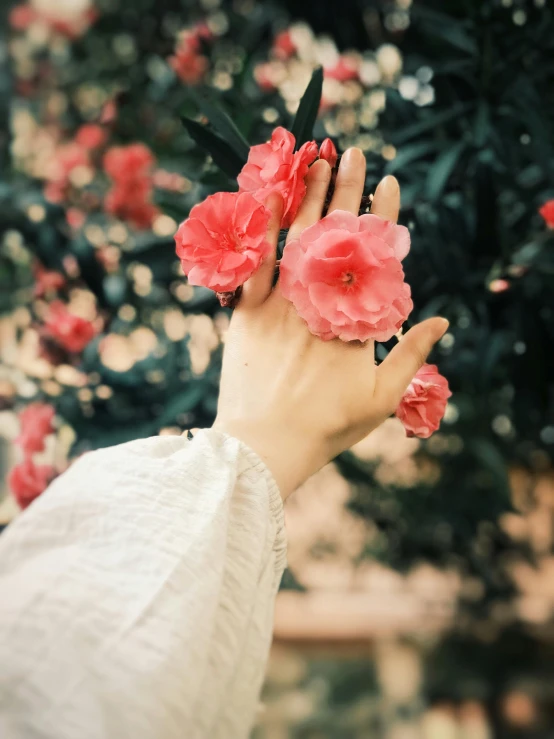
408 356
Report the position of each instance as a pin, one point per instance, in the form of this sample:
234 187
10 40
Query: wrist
290 455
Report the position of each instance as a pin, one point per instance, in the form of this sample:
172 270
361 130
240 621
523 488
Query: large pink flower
276 167
344 277
28 480
223 241
424 403
35 424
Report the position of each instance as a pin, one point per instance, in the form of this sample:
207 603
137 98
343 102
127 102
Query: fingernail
389 186
350 154
444 324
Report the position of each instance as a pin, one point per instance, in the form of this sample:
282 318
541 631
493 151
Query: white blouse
137 594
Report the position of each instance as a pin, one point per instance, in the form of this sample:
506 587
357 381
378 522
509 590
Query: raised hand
296 400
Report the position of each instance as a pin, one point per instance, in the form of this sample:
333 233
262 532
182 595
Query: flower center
348 279
231 241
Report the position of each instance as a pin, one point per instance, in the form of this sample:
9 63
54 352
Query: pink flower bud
328 151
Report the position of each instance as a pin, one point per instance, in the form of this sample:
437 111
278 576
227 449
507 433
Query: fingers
350 183
386 201
317 184
257 289
397 371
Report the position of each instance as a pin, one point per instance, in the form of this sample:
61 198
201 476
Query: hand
294 399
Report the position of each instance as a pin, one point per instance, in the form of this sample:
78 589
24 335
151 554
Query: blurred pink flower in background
283 45
265 75
28 480
344 69
130 198
35 424
71 18
276 167
424 403
223 241
126 163
188 62
91 136
46 281
345 279
71 332
547 212
499 286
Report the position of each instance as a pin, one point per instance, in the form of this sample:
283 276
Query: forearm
139 584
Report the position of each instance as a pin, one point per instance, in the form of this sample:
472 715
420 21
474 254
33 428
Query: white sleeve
137 594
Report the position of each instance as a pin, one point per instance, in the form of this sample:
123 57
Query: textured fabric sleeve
138 592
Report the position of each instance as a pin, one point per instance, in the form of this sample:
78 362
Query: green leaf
303 124
223 125
440 172
447 28
408 154
428 123
224 156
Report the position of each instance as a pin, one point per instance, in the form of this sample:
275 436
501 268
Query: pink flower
28 480
346 68
109 112
72 25
283 45
328 151
126 163
90 136
264 74
131 205
35 424
424 403
547 212
130 198
276 167
187 62
68 330
46 281
21 17
223 241
344 277
75 217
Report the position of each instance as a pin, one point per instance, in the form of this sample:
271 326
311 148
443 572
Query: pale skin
294 399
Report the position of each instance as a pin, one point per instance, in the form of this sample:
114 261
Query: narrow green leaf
408 154
222 123
441 170
303 124
445 27
223 155
429 123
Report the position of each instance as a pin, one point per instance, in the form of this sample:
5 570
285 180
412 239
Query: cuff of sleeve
250 463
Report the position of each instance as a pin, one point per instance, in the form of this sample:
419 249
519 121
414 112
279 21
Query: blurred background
419 597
